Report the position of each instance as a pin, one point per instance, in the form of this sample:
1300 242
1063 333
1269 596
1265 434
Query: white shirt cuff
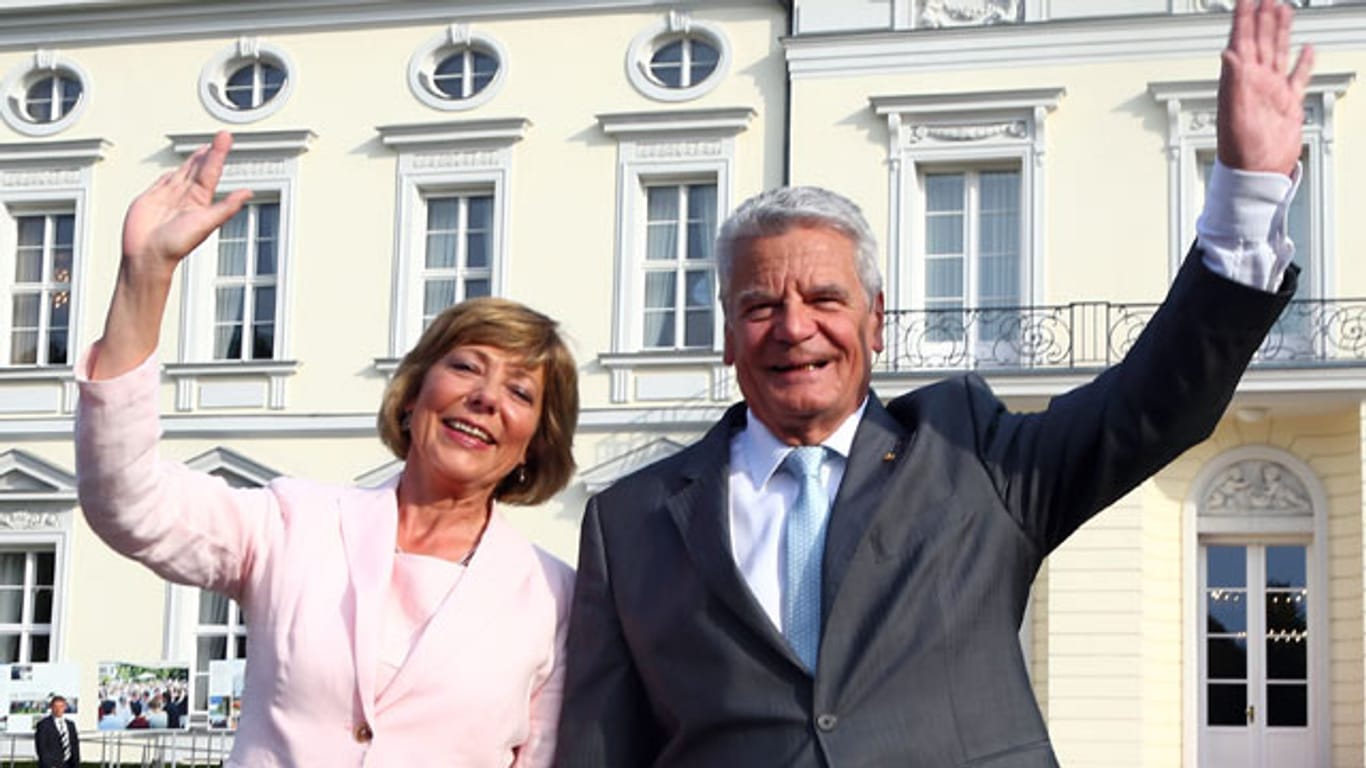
1243 230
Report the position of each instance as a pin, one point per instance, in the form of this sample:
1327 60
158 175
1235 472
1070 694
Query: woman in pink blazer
407 625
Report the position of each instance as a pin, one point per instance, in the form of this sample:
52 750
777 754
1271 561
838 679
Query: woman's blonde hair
511 327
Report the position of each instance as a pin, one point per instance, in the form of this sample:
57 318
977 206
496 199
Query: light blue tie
805 546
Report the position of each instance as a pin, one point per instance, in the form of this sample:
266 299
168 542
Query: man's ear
879 316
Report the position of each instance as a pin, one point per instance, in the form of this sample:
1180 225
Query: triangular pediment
25 477
233 467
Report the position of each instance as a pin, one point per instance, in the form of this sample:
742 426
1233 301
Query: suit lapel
700 509
879 445
369 523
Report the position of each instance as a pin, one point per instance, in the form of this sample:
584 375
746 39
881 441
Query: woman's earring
404 420
521 474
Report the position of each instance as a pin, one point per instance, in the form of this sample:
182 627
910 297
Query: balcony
1087 336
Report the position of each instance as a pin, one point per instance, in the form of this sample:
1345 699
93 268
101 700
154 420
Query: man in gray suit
822 581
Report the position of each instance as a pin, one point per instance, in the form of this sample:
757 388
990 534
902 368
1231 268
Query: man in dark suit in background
55 740
822 581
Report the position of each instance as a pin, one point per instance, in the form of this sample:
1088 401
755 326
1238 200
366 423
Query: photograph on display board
134 696
26 690
225 693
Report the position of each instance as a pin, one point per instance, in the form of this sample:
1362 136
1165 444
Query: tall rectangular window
458 253
221 633
680 266
972 251
27 580
246 304
40 295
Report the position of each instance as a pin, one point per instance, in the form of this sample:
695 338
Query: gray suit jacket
947 508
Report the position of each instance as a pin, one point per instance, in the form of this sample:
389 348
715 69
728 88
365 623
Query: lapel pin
889 455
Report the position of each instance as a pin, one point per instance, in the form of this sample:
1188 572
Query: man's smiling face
801 331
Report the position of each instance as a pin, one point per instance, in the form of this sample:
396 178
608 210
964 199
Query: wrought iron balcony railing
1095 334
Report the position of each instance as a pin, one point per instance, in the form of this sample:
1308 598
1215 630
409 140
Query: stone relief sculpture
1257 486
937 14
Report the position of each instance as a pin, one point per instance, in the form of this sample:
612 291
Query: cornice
1058 42
72 23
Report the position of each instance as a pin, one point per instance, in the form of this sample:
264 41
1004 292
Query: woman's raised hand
177 212
162 226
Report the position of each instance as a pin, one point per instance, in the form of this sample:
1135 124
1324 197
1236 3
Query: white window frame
963 130
265 162
251 283
456 38
676 266
14 93
45 285
450 157
675 25
247 50
37 504
1269 528
183 630
45 176
673 147
461 272
1190 108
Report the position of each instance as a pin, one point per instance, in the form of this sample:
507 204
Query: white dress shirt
1243 234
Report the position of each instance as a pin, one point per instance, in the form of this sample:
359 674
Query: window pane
484 66
1227 658
232 257
264 310
699 288
227 342
210 648
1287 656
71 93
659 290
697 328
475 289
944 192
1287 705
38 100
1227 611
23 348
701 220
57 347
441 250
26 310
239 87
30 231
267 238
213 607
42 606
661 223
443 214
659 328
1226 566
38 650
1285 565
449 75
11 605
666 66
228 307
1227 704
12 569
943 278
704 60
477 250
263 341
272 80
436 296
44 568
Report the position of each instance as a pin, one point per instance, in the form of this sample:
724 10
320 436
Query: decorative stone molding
1257 487
24 520
1014 129
940 14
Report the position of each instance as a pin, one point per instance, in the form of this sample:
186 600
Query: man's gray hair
776 211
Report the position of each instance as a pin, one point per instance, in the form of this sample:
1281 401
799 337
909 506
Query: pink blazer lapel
369 525
501 562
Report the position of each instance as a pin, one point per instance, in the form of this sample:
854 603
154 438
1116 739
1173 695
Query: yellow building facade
1033 169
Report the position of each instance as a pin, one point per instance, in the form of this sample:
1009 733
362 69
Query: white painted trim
245 50
1061 42
55 174
106 22
679 145
16 82
258 144
1194 526
984 127
456 38
675 24
1190 107
455 156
